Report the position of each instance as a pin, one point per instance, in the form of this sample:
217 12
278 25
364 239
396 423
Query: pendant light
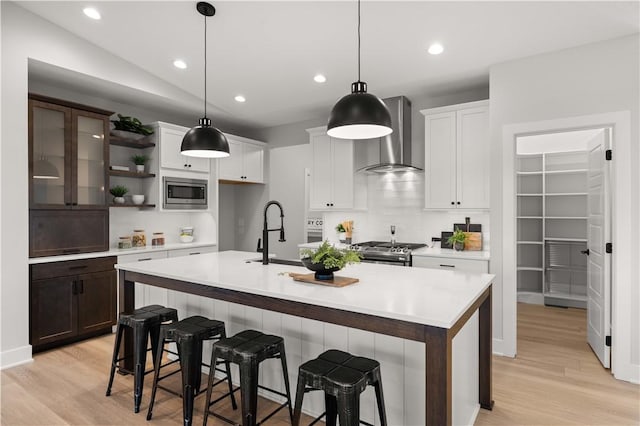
205 140
360 115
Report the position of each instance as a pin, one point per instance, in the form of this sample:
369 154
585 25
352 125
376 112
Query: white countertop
451 253
117 252
425 296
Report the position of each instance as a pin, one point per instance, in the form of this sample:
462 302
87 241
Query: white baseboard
15 357
472 419
631 373
530 298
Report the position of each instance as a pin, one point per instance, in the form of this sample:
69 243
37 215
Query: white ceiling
270 51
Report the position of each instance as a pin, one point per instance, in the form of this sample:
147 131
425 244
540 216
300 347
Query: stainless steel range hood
395 149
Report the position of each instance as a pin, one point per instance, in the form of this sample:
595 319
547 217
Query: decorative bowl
321 273
137 198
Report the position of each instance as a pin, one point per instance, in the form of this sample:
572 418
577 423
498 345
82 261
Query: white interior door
599 263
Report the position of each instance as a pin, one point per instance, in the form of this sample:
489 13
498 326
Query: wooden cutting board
335 282
473 242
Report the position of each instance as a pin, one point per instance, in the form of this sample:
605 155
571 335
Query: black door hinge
607 341
608 248
608 155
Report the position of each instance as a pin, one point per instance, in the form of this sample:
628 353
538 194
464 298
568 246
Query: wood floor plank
555 380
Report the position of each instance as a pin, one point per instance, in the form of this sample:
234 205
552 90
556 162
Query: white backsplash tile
122 222
398 199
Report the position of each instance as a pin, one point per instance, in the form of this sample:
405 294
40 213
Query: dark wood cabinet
68 177
71 300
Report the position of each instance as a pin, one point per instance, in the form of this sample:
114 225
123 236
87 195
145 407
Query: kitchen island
423 310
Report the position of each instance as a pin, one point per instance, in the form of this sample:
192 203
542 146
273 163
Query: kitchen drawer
141 257
71 267
466 265
192 251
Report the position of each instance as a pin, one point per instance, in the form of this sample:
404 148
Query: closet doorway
563 225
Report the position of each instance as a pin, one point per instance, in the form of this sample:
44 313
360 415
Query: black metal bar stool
248 349
342 377
188 336
145 324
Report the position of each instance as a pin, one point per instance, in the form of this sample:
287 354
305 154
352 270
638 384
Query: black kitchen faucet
266 230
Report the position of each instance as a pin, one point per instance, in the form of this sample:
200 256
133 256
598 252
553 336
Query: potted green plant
457 239
130 128
341 232
327 259
118 192
140 160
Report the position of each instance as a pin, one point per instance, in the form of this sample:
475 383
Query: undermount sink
279 261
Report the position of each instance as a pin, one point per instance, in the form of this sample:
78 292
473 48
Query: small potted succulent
140 160
457 239
327 259
118 193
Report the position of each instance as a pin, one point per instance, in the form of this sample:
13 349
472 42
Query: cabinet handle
195 252
142 260
447 266
81 284
185 165
458 202
189 165
453 204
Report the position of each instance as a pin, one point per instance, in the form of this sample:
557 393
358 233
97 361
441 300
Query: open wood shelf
130 143
131 174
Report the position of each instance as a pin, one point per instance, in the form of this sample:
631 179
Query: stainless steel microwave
181 193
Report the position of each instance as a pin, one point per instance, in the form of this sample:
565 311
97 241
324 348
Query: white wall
586 80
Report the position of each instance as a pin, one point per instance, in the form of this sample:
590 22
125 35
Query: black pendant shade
204 140
359 115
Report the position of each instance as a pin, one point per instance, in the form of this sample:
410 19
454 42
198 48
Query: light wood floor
555 380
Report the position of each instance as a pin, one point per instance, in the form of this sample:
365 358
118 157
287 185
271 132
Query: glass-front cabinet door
90 157
50 155
67 159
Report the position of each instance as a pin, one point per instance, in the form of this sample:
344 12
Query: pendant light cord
358 40
205 66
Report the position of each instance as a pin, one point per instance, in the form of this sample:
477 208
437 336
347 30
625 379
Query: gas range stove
386 252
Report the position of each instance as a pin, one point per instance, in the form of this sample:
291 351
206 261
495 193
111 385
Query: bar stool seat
189 335
342 377
248 349
145 324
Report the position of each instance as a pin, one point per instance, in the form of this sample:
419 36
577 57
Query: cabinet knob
189 165
452 203
185 165
458 202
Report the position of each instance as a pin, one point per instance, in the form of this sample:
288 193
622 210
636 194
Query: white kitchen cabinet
332 173
465 265
245 162
457 156
169 137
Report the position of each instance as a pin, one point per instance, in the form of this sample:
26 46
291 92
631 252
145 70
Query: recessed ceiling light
91 13
179 63
240 98
319 78
436 49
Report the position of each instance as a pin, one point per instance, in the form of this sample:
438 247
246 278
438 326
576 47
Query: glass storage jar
139 238
124 242
158 239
